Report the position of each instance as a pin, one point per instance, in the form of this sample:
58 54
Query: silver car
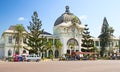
33 58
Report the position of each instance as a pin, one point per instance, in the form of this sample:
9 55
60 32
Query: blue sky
90 12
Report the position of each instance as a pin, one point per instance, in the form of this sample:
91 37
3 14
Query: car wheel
28 60
37 60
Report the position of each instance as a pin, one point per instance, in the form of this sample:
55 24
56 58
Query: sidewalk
1 60
49 60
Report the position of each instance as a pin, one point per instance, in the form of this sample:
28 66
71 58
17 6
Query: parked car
16 58
33 58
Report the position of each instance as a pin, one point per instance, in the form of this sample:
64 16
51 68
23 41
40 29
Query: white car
33 58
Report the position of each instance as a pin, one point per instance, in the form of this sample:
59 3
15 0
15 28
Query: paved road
62 66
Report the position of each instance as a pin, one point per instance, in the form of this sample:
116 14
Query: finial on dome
67 9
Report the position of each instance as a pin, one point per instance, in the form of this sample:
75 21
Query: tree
34 39
58 44
87 42
95 49
111 30
19 29
105 36
48 44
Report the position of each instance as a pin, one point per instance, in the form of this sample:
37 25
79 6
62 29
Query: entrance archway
72 42
72 45
68 51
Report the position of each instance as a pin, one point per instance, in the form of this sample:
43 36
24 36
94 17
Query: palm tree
19 29
58 44
49 44
46 44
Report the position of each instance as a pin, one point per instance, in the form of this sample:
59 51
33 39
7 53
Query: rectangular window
97 43
10 39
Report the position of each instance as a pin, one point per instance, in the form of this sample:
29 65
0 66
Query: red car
16 58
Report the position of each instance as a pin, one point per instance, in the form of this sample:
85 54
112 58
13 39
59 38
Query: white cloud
83 17
21 19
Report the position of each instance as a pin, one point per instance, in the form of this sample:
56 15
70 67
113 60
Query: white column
80 37
64 48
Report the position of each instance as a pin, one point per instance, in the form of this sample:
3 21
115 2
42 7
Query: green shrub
51 56
10 59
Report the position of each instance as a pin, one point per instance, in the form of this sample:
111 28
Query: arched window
45 53
9 52
24 51
50 52
56 53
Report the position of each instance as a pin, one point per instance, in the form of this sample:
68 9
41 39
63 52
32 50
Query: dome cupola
66 17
